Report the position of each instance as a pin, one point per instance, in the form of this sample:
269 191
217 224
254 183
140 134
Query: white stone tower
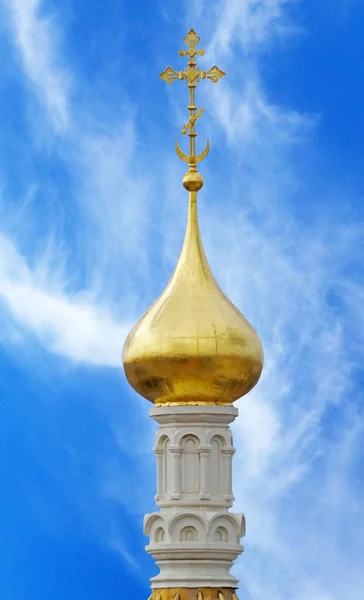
193 537
192 355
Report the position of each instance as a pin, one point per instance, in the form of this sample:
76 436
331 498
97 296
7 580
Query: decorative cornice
196 551
175 449
229 450
194 414
204 449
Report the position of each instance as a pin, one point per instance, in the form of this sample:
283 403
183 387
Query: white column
227 455
159 452
176 452
204 472
205 560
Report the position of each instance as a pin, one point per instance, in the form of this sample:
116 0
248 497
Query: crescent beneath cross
203 154
181 154
192 159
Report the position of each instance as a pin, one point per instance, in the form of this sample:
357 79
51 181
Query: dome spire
192 355
193 346
193 180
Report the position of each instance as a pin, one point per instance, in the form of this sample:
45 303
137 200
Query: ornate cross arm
192 74
170 75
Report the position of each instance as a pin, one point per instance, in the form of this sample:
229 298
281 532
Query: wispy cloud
115 197
251 23
72 326
36 33
110 191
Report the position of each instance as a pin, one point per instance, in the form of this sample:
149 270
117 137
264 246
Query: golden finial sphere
192 180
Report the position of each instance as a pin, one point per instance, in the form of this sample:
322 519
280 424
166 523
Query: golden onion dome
192 346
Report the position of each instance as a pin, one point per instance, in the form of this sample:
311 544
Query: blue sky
92 215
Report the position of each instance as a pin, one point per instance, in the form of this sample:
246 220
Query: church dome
192 346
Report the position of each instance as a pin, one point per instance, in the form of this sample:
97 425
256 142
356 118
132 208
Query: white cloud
116 201
251 23
72 326
110 184
35 33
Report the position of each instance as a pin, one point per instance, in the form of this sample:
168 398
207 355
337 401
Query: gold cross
192 74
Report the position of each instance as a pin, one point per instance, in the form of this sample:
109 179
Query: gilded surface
193 594
192 346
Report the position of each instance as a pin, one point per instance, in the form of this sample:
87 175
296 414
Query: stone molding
205 523
230 450
176 414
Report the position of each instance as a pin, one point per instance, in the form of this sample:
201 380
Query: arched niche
221 534
180 524
188 534
216 466
155 527
225 526
159 534
190 465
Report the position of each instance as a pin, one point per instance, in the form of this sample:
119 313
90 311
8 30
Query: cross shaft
192 74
